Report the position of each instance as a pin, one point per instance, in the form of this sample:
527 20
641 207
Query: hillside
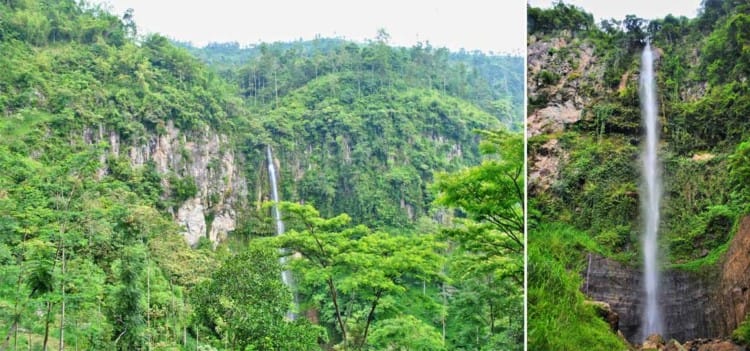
135 196
584 145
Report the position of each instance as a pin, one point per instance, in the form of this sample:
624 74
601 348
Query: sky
497 26
618 9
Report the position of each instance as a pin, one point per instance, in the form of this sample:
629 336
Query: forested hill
133 197
362 127
584 136
489 81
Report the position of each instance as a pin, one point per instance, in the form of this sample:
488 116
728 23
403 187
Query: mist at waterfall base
286 275
651 193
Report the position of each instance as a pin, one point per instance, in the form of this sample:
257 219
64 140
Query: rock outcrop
605 311
558 70
204 156
686 299
653 342
704 304
711 345
733 292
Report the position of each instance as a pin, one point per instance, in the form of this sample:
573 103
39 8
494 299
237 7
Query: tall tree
359 267
245 302
487 260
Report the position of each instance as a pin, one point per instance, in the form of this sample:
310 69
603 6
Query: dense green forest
590 203
402 171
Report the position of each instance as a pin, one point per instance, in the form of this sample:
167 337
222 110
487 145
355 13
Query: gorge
593 135
156 174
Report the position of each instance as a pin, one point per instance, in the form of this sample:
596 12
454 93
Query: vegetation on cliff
91 257
702 104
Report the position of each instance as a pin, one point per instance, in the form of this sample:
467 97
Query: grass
558 317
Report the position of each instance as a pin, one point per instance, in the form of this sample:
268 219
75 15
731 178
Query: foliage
405 333
741 335
701 80
77 219
487 261
360 269
245 302
129 311
556 254
739 174
268 71
184 188
560 17
90 253
371 158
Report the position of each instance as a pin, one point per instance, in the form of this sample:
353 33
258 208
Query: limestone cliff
558 70
206 157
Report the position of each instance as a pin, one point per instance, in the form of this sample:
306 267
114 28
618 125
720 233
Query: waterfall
286 275
651 190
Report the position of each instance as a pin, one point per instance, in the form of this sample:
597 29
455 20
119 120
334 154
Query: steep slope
584 130
372 156
134 180
107 147
361 128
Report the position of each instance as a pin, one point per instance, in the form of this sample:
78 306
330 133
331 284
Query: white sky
487 25
618 9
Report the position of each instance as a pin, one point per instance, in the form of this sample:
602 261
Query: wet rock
687 299
733 295
605 311
653 342
712 345
674 345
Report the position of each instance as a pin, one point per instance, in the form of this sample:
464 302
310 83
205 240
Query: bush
183 188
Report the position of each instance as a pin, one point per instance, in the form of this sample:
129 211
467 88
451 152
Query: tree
245 301
492 195
359 268
129 310
487 260
635 33
406 333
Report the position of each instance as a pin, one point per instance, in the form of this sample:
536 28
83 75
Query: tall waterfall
286 276
651 191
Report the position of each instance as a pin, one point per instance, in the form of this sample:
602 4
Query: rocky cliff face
733 292
558 71
705 304
204 156
686 300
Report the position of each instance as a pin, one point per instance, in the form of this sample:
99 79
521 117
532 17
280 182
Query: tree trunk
275 89
46 325
445 305
11 332
334 296
62 303
370 317
148 302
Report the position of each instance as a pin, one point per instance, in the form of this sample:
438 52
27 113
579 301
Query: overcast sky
496 25
618 9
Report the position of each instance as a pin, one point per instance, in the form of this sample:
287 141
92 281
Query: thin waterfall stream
651 192
286 275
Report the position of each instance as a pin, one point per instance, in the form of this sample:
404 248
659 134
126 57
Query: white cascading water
286 275
651 191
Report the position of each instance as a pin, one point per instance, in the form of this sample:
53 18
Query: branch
370 316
